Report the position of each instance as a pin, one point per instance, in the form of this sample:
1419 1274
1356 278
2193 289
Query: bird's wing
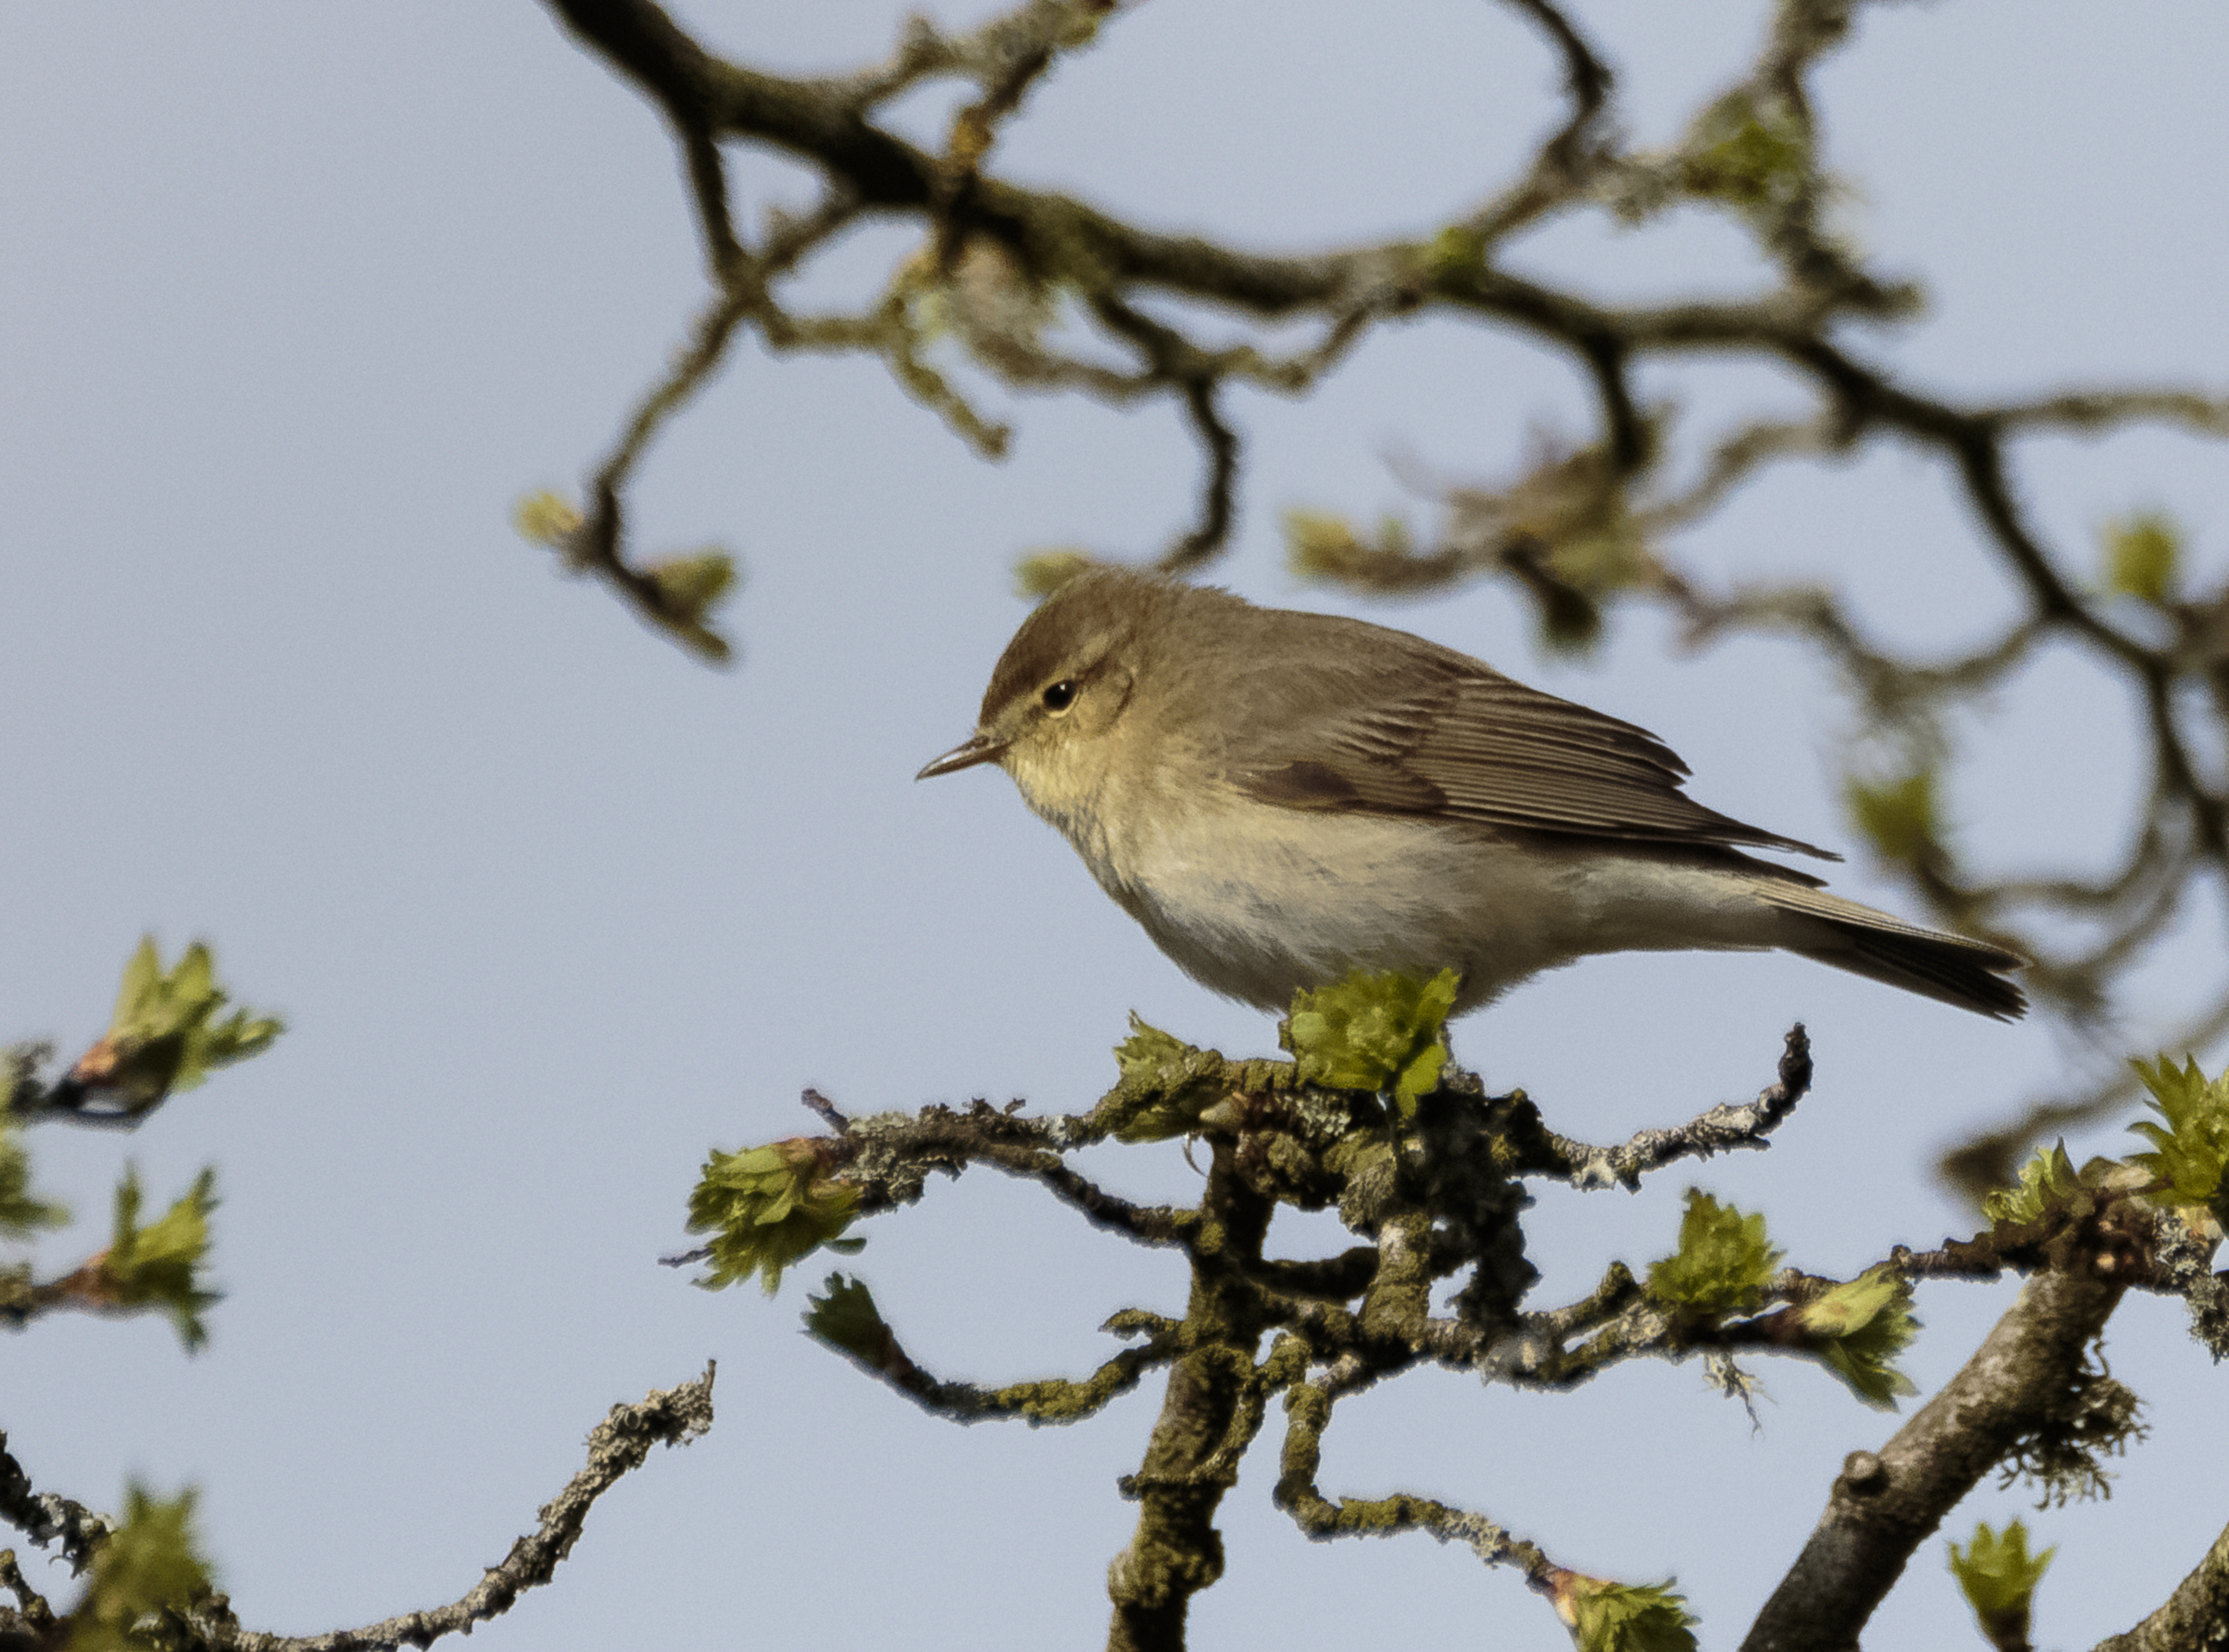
1441 734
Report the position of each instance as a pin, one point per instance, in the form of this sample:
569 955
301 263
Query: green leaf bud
1041 572
160 1265
1902 817
150 1563
1998 1577
2191 1150
164 1035
847 1320
1721 1265
1165 1086
2047 1178
1856 1330
690 586
1379 1032
23 1213
767 1207
2142 555
544 518
1606 1616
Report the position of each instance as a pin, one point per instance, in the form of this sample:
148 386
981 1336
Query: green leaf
2046 1180
1752 154
1721 1265
1456 253
1149 1053
1998 1577
690 586
686 590
23 1213
2190 1151
1628 1618
1166 1085
767 1208
1857 1330
1377 1032
151 1563
1902 817
544 518
2142 553
160 1265
164 1036
1320 546
1040 574
847 1320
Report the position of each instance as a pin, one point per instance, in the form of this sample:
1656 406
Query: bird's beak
981 749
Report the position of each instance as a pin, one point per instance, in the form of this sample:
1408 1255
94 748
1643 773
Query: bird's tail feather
1969 973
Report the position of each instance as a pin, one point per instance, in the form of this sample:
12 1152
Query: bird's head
1054 712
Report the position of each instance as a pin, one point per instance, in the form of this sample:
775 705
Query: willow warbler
1281 798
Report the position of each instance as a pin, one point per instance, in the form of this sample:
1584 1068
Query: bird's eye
1060 696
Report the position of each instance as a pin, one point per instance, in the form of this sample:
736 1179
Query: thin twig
619 1445
1720 1130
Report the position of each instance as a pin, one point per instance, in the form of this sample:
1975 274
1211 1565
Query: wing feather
1439 734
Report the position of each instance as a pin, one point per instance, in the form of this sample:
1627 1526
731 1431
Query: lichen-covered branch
1370 1117
29 1625
1191 1457
618 1446
847 1320
887 1157
1723 1129
1581 1600
48 1517
1307 1413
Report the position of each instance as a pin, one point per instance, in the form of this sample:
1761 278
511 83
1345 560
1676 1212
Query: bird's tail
1969 973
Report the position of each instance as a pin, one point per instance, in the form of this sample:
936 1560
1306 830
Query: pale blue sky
300 299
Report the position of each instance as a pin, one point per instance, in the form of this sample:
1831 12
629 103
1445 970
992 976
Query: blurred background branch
1579 528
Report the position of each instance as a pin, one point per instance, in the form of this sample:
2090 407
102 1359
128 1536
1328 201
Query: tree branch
47 1517
1191 1459
1885 1504
619 1445
1051 1400
1720 1130
1751 154
1307 1412
887 1157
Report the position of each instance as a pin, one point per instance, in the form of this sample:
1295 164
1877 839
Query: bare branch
1206 537
1885 1507
1572 153
2091 410
1587 82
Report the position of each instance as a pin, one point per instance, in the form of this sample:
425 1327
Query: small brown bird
1281 798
